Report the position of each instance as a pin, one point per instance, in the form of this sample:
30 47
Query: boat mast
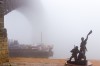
41 37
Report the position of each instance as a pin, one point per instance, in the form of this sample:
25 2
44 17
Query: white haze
63 23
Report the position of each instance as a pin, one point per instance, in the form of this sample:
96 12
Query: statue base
81 63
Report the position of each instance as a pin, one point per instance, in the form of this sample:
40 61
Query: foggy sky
62 22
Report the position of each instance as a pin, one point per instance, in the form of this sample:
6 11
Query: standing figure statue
83 48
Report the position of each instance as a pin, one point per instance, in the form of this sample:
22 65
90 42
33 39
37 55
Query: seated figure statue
74 52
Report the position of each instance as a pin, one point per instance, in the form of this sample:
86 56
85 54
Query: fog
62 22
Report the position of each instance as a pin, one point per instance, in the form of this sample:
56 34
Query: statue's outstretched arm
88 35
86 38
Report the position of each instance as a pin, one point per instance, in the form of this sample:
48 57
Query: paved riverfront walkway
36 62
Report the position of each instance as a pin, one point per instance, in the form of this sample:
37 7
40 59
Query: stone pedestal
88 64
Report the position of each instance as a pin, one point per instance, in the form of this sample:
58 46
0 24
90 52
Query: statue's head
76 47
82 38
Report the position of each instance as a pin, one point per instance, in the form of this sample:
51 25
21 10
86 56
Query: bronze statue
74 51
83 43
79 55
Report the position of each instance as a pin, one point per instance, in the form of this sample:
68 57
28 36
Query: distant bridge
10 5
6 6
28 8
